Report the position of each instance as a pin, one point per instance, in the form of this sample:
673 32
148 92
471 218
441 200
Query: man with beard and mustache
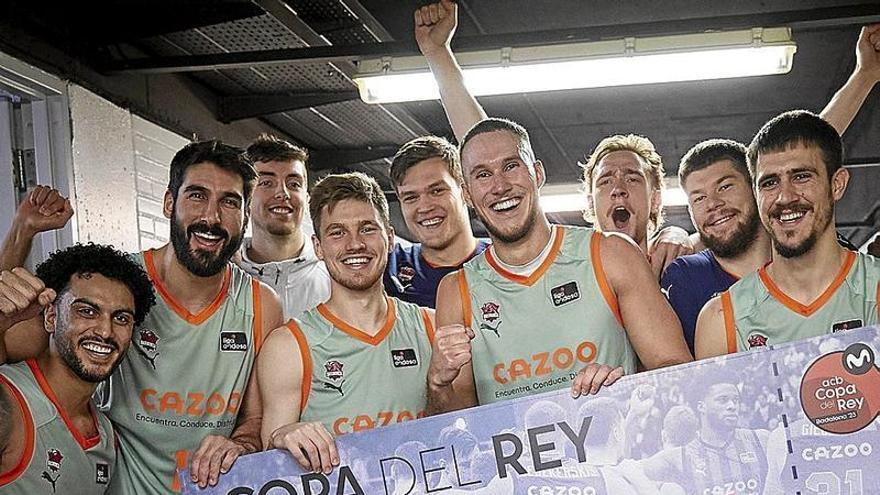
359 360
184 396
427 178
813 285
597 289
52 440
723 454
279 252
722 204
634 169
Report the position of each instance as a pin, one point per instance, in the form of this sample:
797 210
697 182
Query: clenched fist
451 351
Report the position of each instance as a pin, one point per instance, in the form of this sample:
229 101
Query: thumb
46 297
470 332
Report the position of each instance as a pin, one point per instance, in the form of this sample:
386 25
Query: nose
355 242
211 213
714 202
104 327
786 193
500 185
282 191
619 190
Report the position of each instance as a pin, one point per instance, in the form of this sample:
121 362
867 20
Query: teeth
97 348
205 235
721 220
506 204
430 222
787 217
280 209
356 261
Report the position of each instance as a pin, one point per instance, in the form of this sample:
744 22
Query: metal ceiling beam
344 55
323 159
232 108
370 23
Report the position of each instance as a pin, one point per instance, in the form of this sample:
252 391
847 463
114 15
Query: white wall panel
103 171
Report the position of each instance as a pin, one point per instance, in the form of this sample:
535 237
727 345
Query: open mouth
790 217
431 222
281 210
356 262
506 204
207 238
720 220
620 216
98 349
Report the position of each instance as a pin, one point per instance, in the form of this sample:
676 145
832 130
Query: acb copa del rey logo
840 391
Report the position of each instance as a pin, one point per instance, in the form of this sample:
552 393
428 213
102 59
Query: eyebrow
203 189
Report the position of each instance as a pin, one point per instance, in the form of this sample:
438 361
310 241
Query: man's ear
390 239
839 181
50 316
167 204
317 245
467 195
540 173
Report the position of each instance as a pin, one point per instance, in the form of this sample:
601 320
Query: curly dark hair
58 269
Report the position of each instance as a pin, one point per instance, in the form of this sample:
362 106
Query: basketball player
722 205
359 360
279 253
52 440
177 399
723 458
541 302
813 286
628 201
427 178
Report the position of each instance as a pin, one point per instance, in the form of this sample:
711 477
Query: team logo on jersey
404 358
333 372
102 473
149 345
757 340
53 466
406 274
841 326
565 293
233 342
491 317
747 457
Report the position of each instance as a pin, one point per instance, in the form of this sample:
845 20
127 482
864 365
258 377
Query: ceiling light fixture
621 62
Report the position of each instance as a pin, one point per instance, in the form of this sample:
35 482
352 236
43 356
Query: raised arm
451 373
44 209
845 104
434 26
22 297
650 323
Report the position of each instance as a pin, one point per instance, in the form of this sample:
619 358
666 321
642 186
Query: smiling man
493 342
813 286
279 252
359 360
51 439
184 390
427 178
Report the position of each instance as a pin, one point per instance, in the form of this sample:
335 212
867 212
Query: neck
266 247
805 277
714 437
526 249
462 246
194 292
751 259
73 393
362 309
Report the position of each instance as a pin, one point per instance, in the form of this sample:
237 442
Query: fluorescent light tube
658 62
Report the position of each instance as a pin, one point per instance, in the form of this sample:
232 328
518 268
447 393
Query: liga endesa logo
840 391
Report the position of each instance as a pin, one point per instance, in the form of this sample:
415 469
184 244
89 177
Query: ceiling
223 46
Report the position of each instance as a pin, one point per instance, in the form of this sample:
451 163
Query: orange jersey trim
201 316
465 297
809 309
306 388
374 340
604 287
429 329
729 322
29 433
258 316
536 275
85 443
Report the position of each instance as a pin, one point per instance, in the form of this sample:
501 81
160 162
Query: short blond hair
639 145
